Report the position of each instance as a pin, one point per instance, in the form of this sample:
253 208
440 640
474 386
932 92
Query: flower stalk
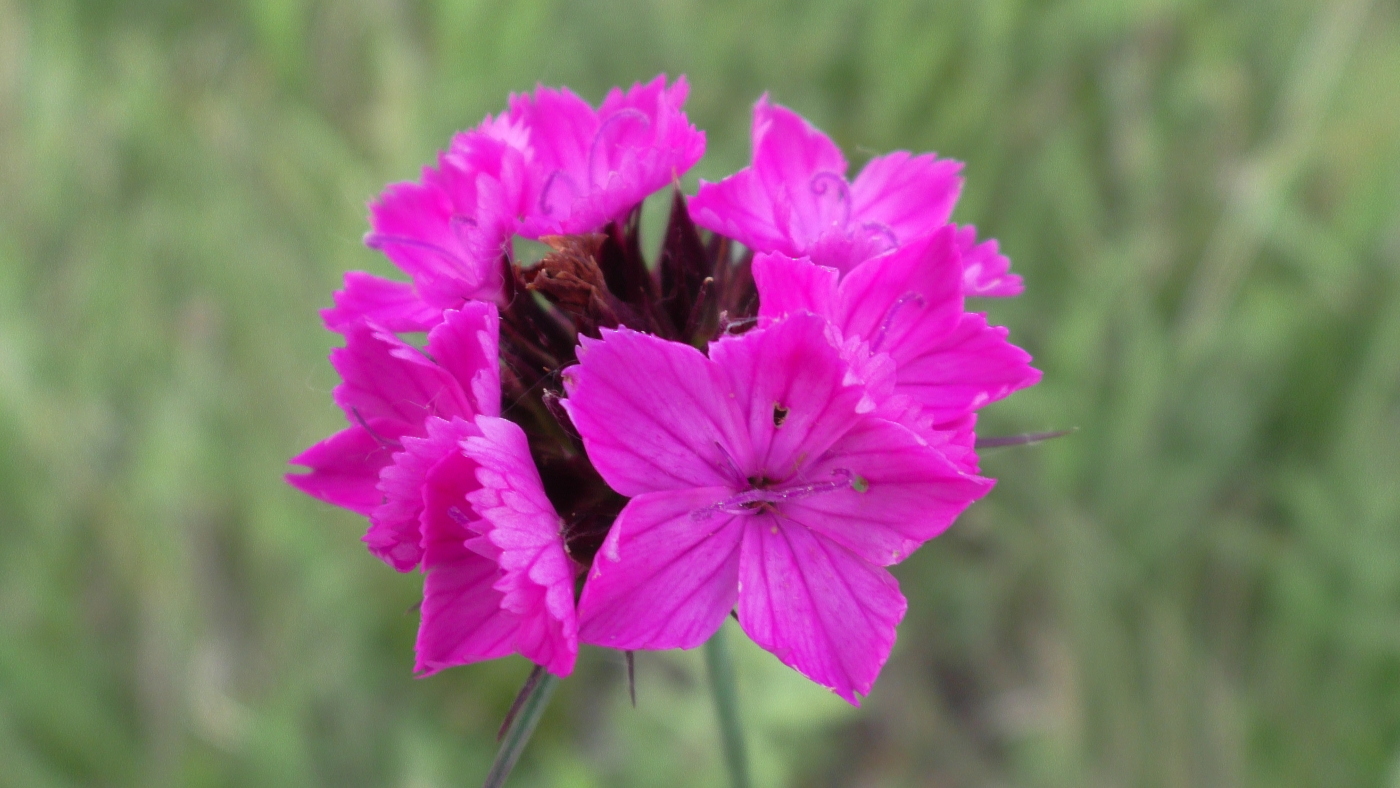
721 669
521 729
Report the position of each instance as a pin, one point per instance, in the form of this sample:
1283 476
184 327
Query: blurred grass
1201 587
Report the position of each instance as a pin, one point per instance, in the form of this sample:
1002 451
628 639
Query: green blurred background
1201 587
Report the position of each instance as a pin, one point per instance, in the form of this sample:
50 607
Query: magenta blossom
755 479
908 303
794 200
550 165
497 578
423 441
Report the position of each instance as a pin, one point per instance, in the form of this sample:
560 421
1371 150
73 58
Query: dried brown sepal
571 279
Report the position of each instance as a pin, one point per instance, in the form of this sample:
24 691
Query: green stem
520 731
721 669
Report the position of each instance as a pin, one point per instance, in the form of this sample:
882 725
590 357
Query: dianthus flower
756 430
754 478
449 488
794 199
550 165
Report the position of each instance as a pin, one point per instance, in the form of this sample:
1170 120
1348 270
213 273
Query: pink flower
497 578
551 165
795 200
907 303
756 477
451 489
775 476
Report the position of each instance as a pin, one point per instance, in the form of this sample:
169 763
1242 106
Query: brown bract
571 278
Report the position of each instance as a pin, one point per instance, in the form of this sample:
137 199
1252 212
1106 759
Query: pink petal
803 172
740 207
663 578
904 300
818 607
905 194
788 286
561 125
394 305
958 442
526 537
986 271
390 385
907 492
434 229
344 469
653 414
462 617
417 226
467 346
970 367
395 535
791 198
412 224
791 375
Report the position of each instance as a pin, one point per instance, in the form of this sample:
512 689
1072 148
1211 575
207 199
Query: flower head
758 431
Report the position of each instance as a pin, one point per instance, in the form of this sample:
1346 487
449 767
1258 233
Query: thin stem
721 669
521 696
520 731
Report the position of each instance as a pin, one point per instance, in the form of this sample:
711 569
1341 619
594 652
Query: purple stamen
459 223
890 313
380 240
383 441
546 203
880 228
820 186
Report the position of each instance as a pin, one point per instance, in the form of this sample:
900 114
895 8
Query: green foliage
1199 587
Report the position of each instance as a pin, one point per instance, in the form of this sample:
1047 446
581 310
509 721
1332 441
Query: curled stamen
756 500
381 240
459 223
880 228
606 126
383 441
890 314
546 203
821 183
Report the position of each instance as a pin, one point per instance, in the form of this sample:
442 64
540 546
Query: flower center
763 496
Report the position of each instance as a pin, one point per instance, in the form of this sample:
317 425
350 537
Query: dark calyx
697 290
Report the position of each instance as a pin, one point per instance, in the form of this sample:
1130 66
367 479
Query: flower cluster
596 448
